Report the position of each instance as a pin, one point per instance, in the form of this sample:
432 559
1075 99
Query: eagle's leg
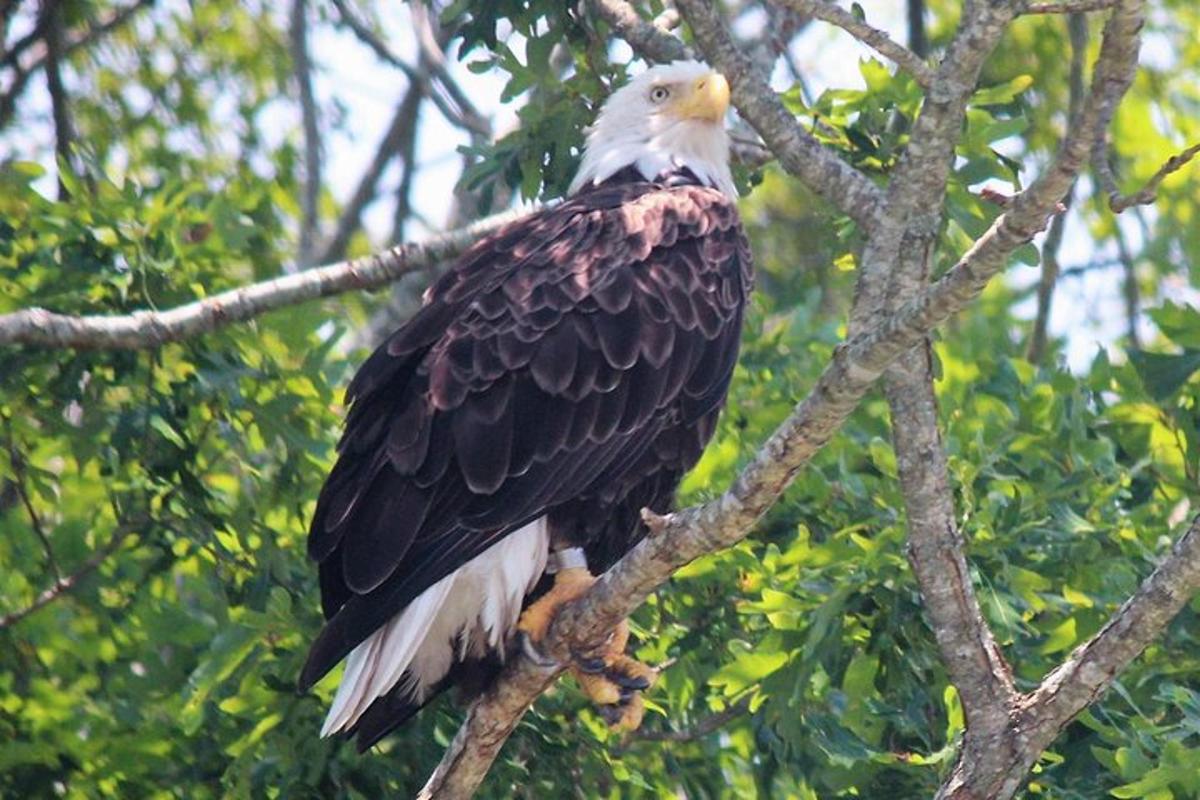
612 680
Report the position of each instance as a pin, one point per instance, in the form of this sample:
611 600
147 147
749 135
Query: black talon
589 664
626 695
532 653
633 682
610 713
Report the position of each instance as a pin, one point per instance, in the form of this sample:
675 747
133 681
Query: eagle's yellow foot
614 682
569 584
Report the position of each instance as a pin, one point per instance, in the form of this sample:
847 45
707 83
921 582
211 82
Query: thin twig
706 726
872 37
1129 287
1068 6
19 484
65 585
918 38
1149 193
148 329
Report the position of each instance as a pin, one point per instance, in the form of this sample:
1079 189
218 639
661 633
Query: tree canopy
155 486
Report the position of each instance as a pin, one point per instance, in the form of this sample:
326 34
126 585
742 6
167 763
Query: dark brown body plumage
572 365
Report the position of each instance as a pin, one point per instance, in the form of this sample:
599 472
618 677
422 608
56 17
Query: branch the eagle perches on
896 307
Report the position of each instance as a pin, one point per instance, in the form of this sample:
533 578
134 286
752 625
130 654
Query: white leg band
567 558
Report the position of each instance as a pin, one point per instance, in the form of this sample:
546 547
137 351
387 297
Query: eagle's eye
659 94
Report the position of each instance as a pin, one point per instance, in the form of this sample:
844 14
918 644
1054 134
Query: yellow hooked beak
706 99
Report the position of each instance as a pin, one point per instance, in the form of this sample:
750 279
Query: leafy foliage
169 670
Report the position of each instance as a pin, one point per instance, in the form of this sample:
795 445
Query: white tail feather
471 610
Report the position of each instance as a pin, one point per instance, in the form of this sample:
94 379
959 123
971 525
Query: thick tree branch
997 754
890 276
869 35
145 329
917 186
647 39
798 151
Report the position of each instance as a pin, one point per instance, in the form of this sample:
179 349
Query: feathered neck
702 149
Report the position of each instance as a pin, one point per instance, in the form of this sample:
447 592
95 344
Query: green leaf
1163 374
1061 637
747 670
1002 93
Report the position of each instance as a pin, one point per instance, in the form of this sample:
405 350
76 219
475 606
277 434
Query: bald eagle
563 375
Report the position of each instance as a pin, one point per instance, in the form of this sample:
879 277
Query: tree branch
799 151
1078 33
710 724
869 35
64 585
302 71
1090 669
1149 193
402 129
474 123
23 72
146 329
997 753
51 23
434 60
17 460
1068 6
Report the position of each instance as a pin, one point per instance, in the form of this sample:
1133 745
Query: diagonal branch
872 37
710 724
434 60
799 151
464 116
402 129
1089 671
64 585
1147 194
17 461
146 329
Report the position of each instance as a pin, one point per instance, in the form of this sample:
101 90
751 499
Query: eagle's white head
671 116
